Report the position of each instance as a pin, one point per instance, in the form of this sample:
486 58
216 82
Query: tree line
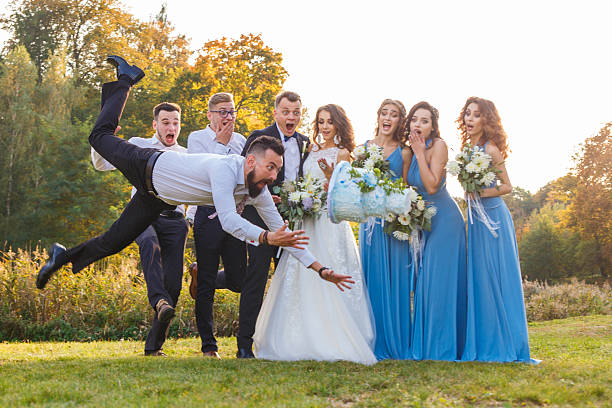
51 69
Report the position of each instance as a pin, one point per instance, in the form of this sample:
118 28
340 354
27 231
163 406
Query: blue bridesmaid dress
496 321
386 269
440 296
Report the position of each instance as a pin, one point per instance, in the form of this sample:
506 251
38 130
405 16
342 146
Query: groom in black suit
287 114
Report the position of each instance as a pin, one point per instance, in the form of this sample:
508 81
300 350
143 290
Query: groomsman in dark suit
287 115
162 244
211 242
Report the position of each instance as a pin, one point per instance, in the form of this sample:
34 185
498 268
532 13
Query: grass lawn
576 371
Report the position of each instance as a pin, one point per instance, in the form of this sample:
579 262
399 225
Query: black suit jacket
303 144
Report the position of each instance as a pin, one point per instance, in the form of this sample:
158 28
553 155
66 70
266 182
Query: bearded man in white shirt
166 179
211 242
162 244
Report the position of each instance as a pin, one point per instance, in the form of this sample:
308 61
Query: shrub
547 302
105 301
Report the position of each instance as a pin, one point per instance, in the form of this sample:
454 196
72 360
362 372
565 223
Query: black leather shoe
51 266
165 312
132 72
245 353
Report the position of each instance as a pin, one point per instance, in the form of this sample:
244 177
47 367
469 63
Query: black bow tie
288 137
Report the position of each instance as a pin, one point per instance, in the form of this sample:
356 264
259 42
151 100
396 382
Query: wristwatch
321 269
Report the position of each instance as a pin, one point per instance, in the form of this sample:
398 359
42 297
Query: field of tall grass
108 301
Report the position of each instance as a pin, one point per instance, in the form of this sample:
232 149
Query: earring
337 139
319 138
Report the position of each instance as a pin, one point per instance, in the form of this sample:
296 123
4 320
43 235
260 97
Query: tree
17 122
521 204
591 209
246 68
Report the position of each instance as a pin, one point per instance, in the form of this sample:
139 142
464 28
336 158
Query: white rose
453 168
376 156
430 212
404 219
369 164
488 178
420 205
411 195
359 151
471 167
295 197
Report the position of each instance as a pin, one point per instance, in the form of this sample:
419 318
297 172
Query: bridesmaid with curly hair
496 322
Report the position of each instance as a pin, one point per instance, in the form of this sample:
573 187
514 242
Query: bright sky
545 64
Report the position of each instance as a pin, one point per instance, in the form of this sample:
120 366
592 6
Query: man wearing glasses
287 115
211 241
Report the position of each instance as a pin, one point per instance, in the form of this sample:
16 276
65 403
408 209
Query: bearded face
256 186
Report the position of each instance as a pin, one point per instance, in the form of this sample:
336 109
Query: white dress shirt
101 164
211 179
205 141
291 156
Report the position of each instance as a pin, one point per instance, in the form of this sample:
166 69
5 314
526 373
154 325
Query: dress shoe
212 354
193 286
131 73
165 312
51 266
245 353
155 353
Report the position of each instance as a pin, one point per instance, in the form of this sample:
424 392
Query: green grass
576 371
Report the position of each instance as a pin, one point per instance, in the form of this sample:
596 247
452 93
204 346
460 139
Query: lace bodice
312 166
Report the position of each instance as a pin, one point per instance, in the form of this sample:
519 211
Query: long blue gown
386 269
440 294
496 321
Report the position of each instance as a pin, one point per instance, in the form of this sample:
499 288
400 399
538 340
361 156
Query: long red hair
492 129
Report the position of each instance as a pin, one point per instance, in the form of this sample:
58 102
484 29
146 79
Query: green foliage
575 372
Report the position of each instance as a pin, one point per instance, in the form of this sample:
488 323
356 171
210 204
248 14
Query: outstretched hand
285 238
341 281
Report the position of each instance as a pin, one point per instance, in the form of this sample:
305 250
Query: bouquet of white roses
474 171
415 218
301 198
370 157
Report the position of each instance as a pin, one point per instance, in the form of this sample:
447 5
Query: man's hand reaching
285 238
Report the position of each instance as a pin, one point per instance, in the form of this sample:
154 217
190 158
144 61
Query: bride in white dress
304 317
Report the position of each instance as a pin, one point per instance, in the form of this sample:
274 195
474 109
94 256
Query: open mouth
469 128
418 131
386 126
290 127
169 138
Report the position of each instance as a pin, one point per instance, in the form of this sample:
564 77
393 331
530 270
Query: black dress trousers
131 161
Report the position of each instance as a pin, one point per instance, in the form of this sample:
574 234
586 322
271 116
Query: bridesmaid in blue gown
496 322
386 260
440 294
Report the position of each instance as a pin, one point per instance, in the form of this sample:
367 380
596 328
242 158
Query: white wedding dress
304 317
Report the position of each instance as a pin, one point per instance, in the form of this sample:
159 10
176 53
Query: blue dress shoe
245 353
52 265
131 73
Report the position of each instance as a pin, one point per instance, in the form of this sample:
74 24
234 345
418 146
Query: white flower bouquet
301 198
473 169
414 217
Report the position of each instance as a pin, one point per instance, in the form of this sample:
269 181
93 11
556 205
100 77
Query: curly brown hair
397 136
492 129
344 128
435 131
